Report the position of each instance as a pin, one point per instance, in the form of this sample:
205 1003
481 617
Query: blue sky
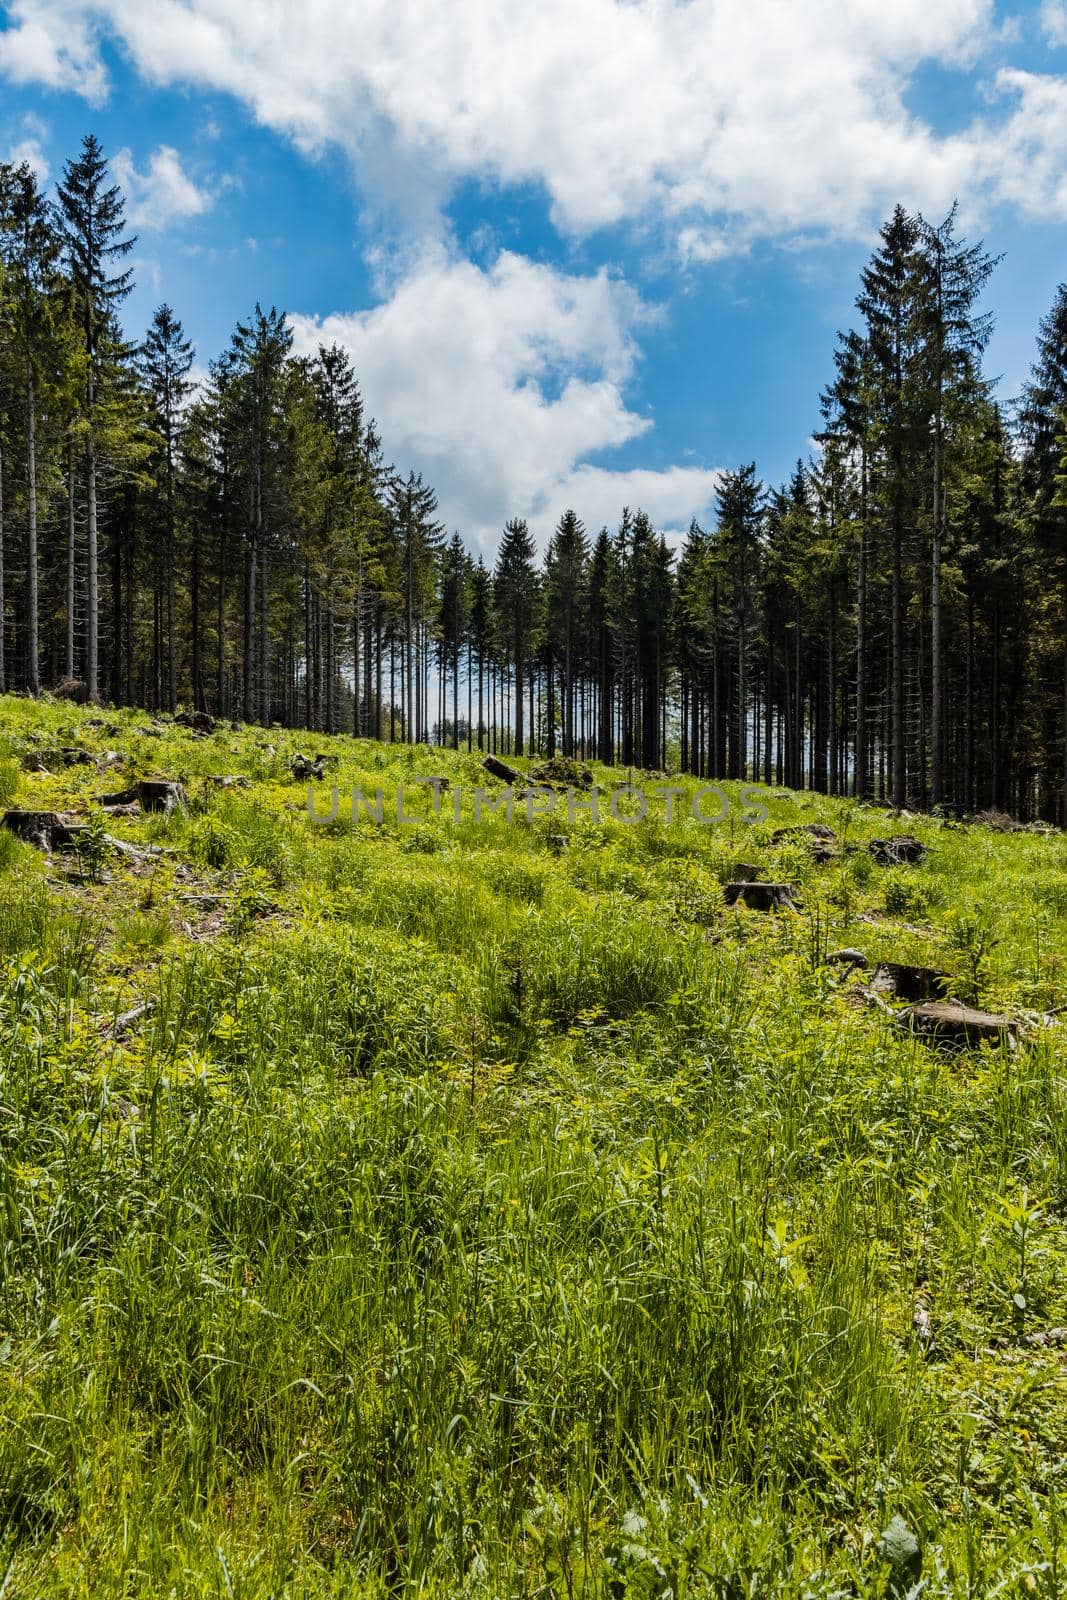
588 253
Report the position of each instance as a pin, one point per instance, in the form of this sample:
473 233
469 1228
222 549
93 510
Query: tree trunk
33 665
937 731
860 783
898 776
71 561
92 638
3 609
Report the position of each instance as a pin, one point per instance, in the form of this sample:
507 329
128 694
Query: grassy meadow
486 1209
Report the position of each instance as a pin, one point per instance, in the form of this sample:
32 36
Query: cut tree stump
950 1023
66 756
308 770
562 773
814 830
198 721
818 835
901 850
761 896
911 983
45 830
151 794
746 872
500 769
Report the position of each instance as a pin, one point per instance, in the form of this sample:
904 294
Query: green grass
486 1210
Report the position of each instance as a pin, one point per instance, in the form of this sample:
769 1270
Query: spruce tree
92 213
515 595
166 360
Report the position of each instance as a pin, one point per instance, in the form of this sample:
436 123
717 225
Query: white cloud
29 150
771 117
1054 22
28 146
1026 165
163 193
54 44
498 383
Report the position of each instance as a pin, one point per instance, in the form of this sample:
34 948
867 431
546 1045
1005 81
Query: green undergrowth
483 1208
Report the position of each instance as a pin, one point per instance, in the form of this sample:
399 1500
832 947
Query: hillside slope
488 1208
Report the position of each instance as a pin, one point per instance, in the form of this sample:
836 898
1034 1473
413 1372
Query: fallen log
500 769
853 959
1050 1338
120 1027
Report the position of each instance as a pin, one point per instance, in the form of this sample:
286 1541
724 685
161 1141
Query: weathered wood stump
814 830
500 769
819 836
901 850
761 896
956 1026
910 982
54 760
307 769
65 756
198 721
562 773
746 872
45 830
151 794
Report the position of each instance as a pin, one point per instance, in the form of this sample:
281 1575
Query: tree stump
956 1026
197 721
45 830
901 850
67 756
761 896
819 836
814 830
307 770
911 983
151 794
746 872
562 773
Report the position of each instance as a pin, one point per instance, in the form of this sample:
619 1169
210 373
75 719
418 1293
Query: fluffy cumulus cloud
1054 22
499 383
163 193
26 145
705 123
725 120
